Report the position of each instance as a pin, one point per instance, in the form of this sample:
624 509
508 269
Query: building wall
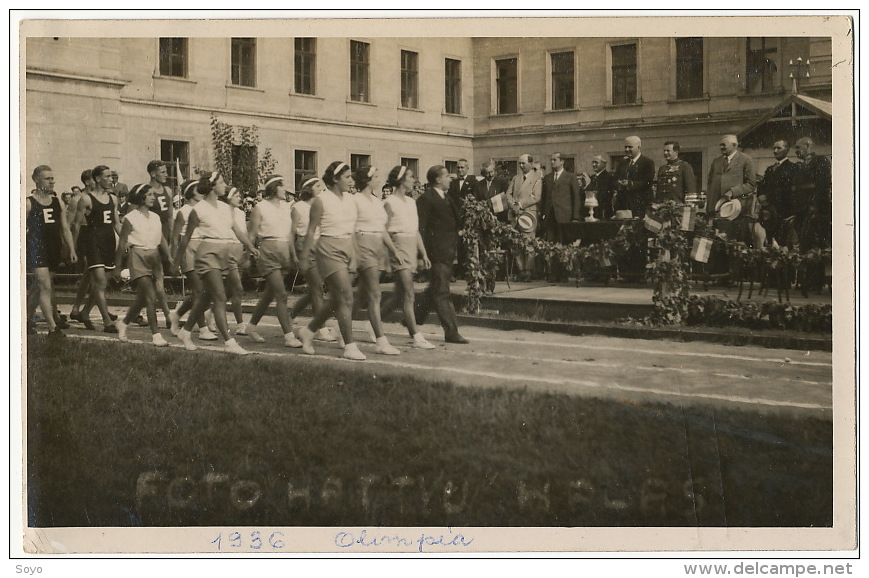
92 101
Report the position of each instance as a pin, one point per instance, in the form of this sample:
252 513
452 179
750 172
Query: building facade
388 101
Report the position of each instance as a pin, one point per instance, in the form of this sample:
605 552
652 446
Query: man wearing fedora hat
523 197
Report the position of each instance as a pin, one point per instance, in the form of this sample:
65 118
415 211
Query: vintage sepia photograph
374 284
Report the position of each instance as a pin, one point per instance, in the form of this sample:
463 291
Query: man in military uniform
676 178
812 197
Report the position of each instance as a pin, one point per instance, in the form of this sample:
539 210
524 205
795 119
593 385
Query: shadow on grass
129 435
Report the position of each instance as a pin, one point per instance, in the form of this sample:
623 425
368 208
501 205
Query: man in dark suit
561 202
603 183
777 180
439 225
634 178
463 185
489 187
460 188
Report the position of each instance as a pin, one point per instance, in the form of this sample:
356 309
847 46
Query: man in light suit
731 175
439 224
560 199
523 196
634 178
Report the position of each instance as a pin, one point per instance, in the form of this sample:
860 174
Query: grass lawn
129 435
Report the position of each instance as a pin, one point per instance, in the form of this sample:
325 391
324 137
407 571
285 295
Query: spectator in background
812 197
604 183
634 177
491 186
118 187
463 185
523 196
676 177
560 199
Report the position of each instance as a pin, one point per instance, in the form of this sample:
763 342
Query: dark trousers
437 296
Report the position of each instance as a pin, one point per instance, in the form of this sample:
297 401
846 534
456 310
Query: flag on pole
178 176
499 203
689 218
701 249
651 223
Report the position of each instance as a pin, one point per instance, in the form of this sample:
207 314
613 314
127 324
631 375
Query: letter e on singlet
107 217
48 215
163 205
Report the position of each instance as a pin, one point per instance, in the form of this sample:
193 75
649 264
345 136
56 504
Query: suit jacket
812 186
561 197
483 193
527 191
605 185
675 181
738 178
637 195
467 189
776 185
439 222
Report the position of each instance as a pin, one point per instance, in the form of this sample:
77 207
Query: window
173 57
451 166
562 80
624 66
409 79
243 61
689 68
695 159
569 163
244 168
412 164
357 161
172 150
306 64
359 62
453 86
506 169
507 80
761 70
306 164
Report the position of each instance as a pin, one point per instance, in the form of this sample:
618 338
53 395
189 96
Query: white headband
190 184
371 172
401 172
274 180
213 177
232 192
310 181
338 168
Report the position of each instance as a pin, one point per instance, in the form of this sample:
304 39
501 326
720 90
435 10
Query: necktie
726 162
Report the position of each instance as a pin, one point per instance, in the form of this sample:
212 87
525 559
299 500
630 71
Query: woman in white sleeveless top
186 262
301 216
270 224
372 246
142 232
219 230
236 259
334 212
403 227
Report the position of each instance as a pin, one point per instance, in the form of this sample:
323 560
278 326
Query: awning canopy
795 117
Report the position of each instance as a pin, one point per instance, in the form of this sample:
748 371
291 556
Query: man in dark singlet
162 206
47 232
100 211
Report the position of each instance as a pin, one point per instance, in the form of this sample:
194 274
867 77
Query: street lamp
796 72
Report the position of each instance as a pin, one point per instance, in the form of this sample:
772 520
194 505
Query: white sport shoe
122 330
291 341
174 323
420 342
351 351
384 347
158 340
186 339
254 334
306 336
241 329
209 320
325 334
205 334
370 330
232 346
